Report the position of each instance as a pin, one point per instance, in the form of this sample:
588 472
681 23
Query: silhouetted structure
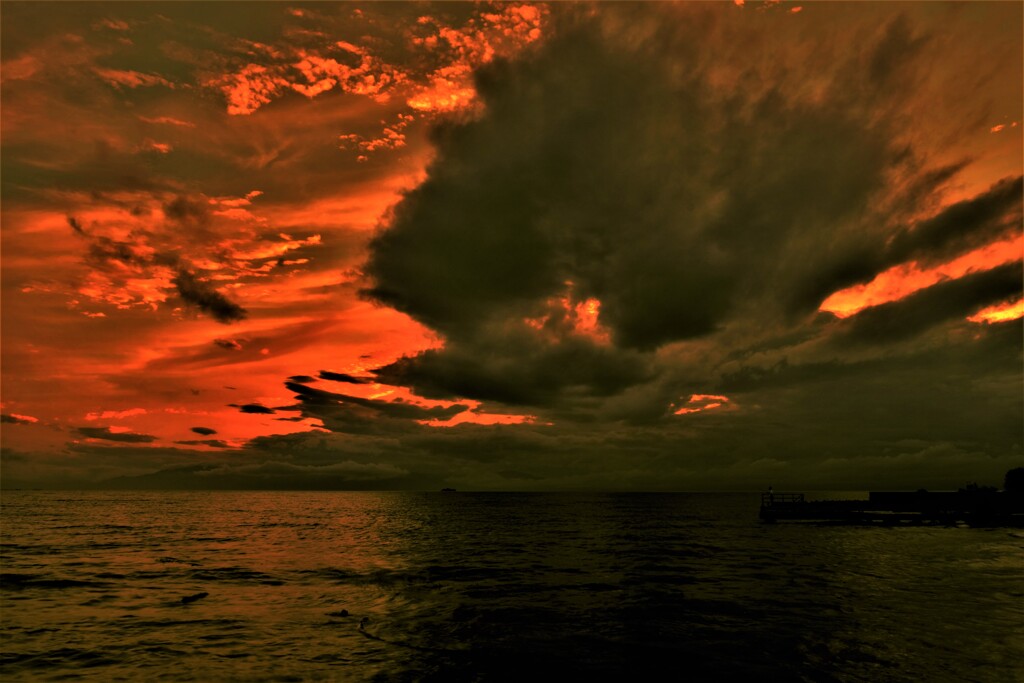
1013 482
974 505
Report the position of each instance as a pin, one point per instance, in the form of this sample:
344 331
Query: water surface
475 586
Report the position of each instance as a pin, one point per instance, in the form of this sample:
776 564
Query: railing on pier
770 499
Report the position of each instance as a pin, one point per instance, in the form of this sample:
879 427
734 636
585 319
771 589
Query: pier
973 507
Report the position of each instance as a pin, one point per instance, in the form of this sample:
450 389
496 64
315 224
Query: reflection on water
461 586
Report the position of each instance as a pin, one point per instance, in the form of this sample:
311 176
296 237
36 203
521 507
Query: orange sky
191 197
256 247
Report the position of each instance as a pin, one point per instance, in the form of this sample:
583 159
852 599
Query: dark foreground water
466 587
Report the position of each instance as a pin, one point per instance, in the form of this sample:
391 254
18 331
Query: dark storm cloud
310 396
205 431
945 301
518 369
206 298
710 222
959 227
107 435
994 348
616 166
302 379
254 409
689 198
341 377
966 224
667 214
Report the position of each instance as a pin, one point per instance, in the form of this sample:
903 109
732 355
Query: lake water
493 587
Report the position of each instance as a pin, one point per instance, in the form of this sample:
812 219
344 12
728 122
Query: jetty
971 506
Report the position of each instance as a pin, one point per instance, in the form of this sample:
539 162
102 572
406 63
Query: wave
12 581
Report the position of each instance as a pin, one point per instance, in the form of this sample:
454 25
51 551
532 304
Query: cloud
205 431
115 414
207 299
628 173
630 214
213 443
138 264
518 368
132 79
314 401
255 409
347 469
889 60
429 69
954 230
107 434
950 300
706 205
340 377
230 344
188 211
961 226
346 474
14 418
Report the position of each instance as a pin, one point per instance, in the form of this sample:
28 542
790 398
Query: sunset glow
1000 313
501 245
700 402
903 280
503 340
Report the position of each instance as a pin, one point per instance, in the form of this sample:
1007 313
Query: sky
511 246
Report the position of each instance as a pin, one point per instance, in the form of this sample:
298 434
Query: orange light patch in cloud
1000 313
167 120
250 88
115 414
580 317
472 416
391 137
158 147
134 257
128 292
309 74
905 279
586 321
699 403
450 87
447 92
131 79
